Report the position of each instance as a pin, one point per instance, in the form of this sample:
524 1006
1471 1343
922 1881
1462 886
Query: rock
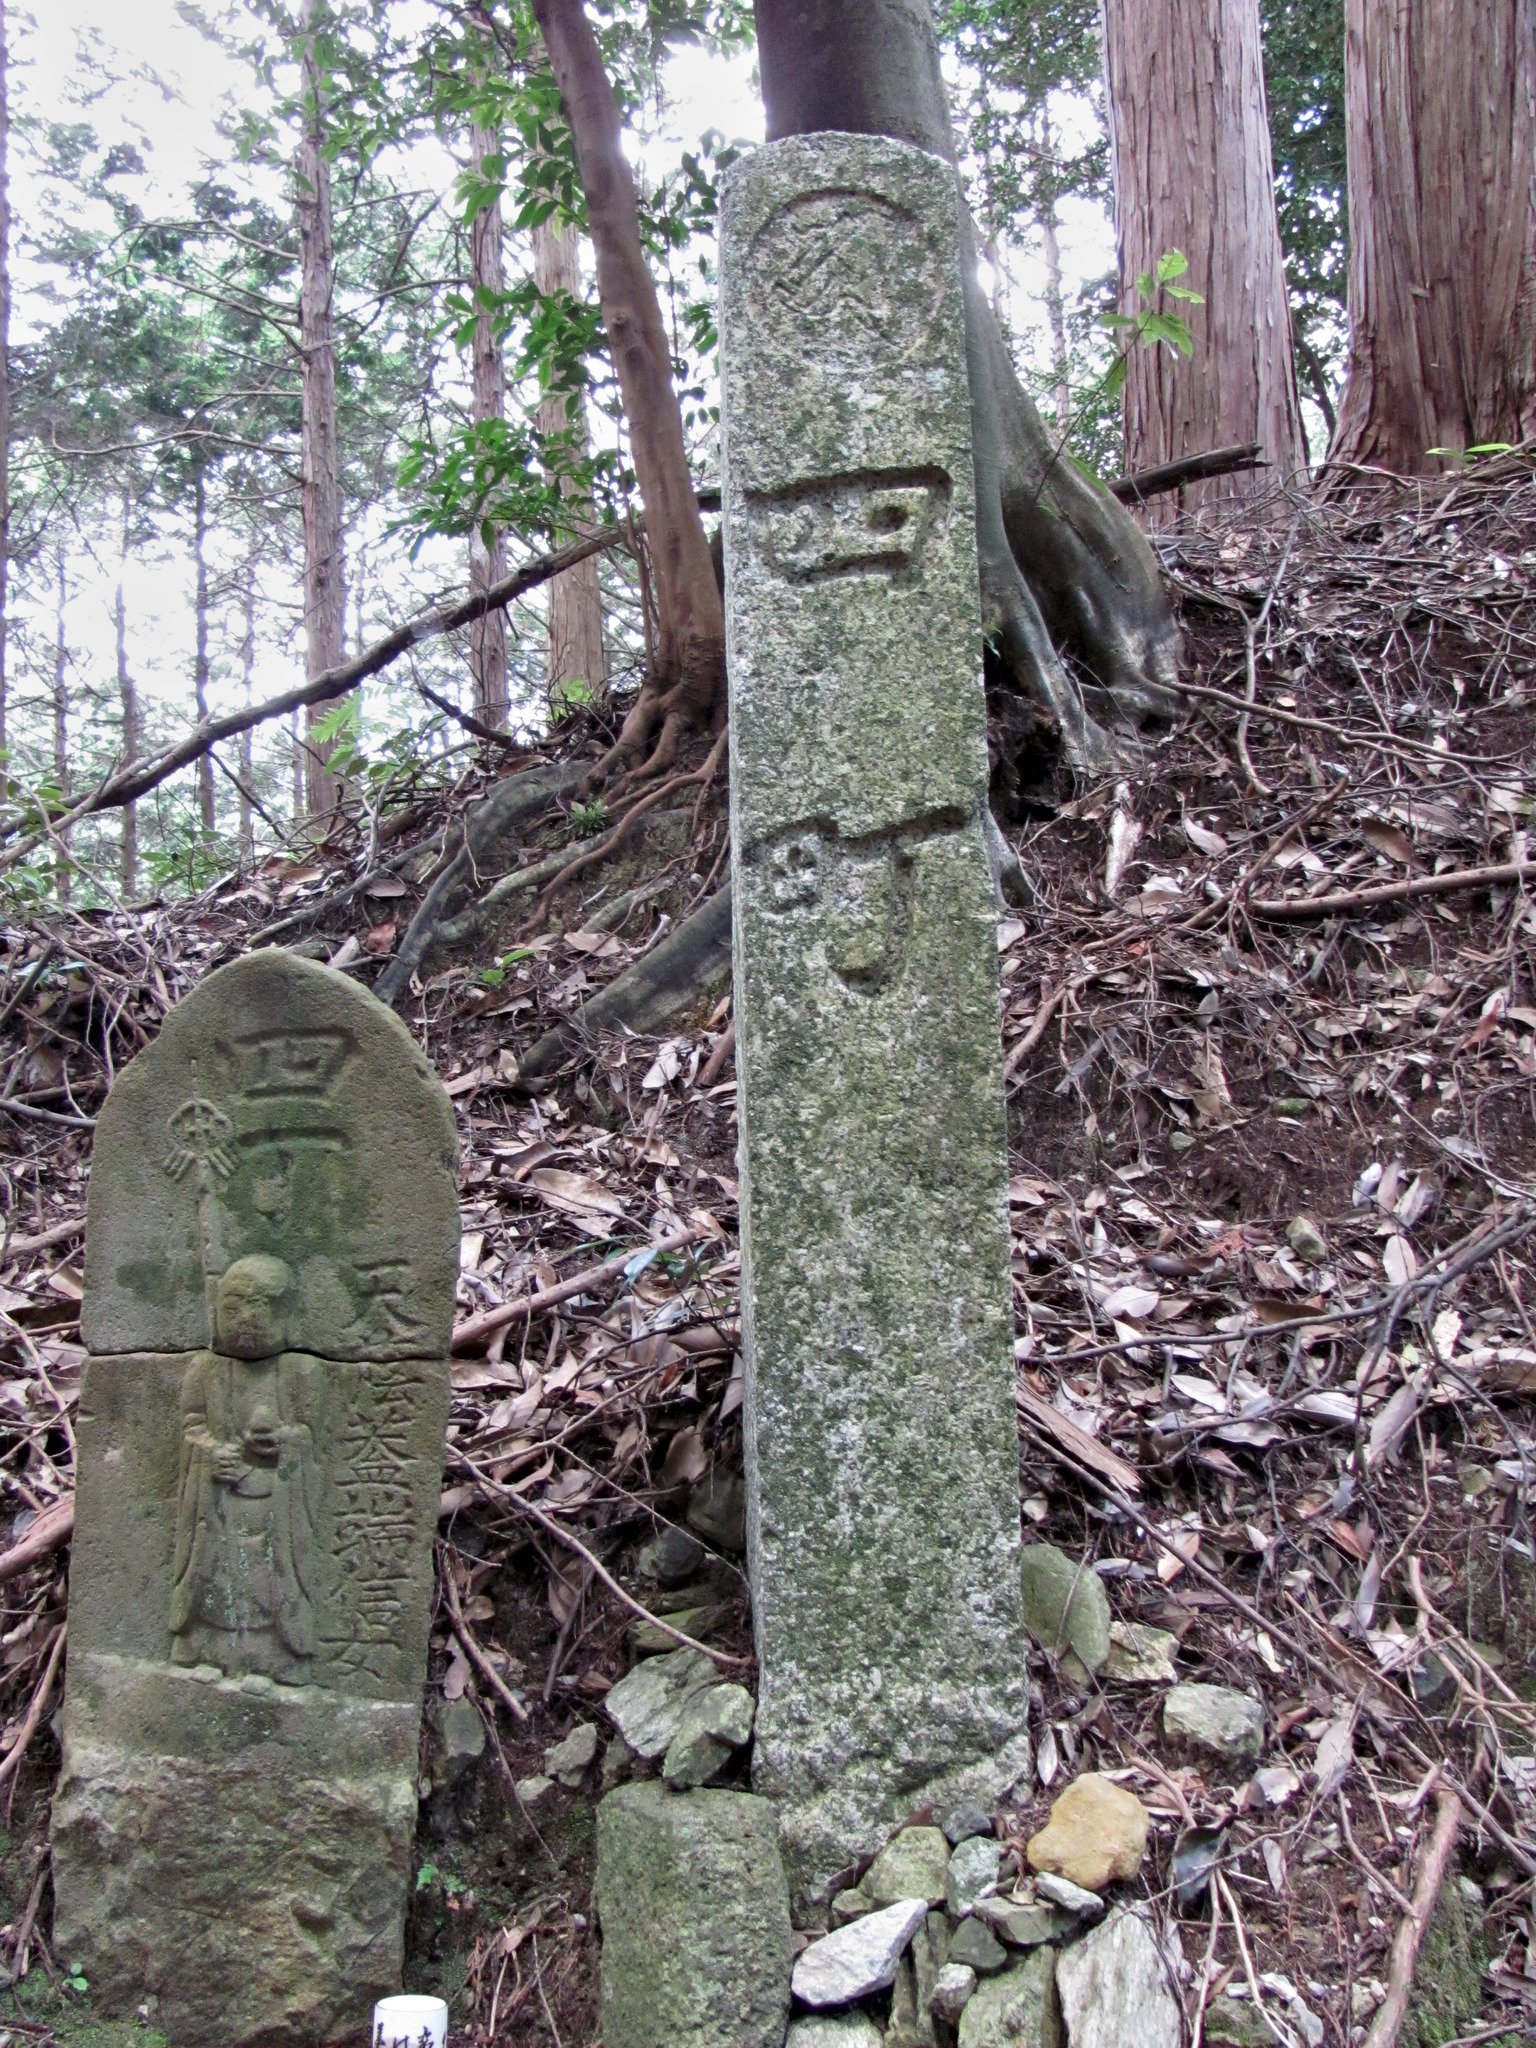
671 1557
1114 1986
1214 1718
570 1760
1065 1605
531 1790
647 1706
1432 1683
913 1866
835 2030
874 1173
974 1944
1306 1240
952 1992
858 1959
695 1920
1018 2009
1097 1834
1446 1980
617 1759
1072 1898
650 1639
961 1822
1230 2025
271 1255
930 1952
850 1905
717 1510
1025 1926
1139 1655
715 1721
972 1873
458 1740
911 2023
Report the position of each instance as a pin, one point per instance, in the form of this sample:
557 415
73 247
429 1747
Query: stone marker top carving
285 1115
847 435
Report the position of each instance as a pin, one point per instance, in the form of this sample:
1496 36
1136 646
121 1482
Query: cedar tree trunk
487 565
324 584
128 697
200 665
248 675
1063 565
1440 110
575 630
5 373
687 688
61 734
1189 132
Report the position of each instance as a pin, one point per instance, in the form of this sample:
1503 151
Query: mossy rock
1447 1983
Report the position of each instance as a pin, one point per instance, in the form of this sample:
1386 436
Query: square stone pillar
882 1454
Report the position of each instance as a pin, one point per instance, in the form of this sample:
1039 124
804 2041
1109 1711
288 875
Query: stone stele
882 1458
271 1253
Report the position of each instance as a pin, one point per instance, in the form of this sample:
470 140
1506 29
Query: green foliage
589 820
1152 324
1304 80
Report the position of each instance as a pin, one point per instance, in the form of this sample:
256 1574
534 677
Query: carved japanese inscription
272 1247
881 1449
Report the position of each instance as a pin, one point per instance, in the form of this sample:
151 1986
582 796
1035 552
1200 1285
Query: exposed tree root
645 997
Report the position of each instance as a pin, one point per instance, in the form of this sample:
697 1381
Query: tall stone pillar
882 1459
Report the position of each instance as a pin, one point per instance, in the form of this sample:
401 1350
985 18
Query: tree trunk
5 378
128 697
1440 107
62 871
1055 307
1062 564
200 667
1189 133
488 644
687 688
324 581
248 677
298 762
575 630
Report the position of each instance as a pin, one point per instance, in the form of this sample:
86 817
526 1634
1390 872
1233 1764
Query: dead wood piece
1192 469
510 804
649 994
1107 1464
474 1329
1415 1924
1301 909
725 1046
56 1233
46 1532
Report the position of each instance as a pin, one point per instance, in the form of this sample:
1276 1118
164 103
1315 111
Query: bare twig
1410 1934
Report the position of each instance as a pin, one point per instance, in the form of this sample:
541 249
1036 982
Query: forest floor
1272 1117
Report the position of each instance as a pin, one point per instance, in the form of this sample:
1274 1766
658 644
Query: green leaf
1171 264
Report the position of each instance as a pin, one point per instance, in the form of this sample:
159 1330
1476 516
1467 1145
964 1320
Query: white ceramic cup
410 2023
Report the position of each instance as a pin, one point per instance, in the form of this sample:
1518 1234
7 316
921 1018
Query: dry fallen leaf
1387 839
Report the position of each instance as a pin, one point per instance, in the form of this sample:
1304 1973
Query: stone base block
695 1919
238 1850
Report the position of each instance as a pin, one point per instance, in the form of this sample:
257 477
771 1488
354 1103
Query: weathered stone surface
1140 1655
1214 1718
834 2030
974 1943
1065 1606
856 1960
458 1740
850 1905
1072 1898
1024 1926
1231 2025
570 1760
716 1721
1097 1834
695 1920
876 1297
913 1866
972 1874
717 1510
1114 1987
953 1990
961 1822
910 2024
271 1255
1018 2009
647 1706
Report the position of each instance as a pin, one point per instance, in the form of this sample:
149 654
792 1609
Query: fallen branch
1193 469
475 1329
475 1654
56 1233
130 783
1301 909
1415 1924
29 1726
45 1532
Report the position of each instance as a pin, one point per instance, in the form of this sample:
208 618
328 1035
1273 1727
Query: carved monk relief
243 1574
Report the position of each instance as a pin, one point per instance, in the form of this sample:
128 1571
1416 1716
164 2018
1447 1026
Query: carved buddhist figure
244 1564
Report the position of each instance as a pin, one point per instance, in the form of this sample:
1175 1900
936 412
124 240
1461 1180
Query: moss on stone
1447 1983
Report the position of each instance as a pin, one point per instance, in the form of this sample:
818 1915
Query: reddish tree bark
1189 128
687 688
488 643
1440 108
575 632
324 581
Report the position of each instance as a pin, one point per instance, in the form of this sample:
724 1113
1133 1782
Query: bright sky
170 86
